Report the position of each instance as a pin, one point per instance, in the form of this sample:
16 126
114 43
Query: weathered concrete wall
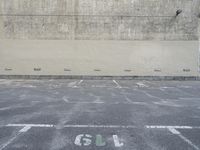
99 19
121 37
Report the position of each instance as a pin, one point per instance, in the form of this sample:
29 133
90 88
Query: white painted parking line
65 98
127 99
167 87
77 84
85 102
25 129
103 86
80 82
141 84
72 84
168 103
175 127
103 126
70 126
189 98
175 132
102 102
184 86
30 125
117 84
6 108
188 141
2 147
98 126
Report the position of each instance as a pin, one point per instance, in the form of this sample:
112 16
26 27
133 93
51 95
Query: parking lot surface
99 115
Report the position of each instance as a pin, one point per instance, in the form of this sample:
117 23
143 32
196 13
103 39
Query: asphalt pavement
99 115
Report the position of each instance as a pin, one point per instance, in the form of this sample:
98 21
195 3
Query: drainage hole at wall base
97 70
37 69
65 69
8 69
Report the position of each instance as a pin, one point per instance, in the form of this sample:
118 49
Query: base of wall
153 78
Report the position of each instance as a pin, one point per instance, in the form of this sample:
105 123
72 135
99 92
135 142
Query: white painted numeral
83 140
117 142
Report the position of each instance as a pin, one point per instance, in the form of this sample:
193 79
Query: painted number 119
86 140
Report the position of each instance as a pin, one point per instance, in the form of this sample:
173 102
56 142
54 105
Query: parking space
43 136
99 114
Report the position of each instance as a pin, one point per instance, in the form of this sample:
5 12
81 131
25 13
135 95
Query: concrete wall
99 37
105 58
99 19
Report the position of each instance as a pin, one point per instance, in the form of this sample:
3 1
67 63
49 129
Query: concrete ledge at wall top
154 78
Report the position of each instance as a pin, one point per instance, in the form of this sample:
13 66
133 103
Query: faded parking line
117 84
76 85
102 126
9 141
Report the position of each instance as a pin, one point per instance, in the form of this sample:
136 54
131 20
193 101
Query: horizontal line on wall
29 15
